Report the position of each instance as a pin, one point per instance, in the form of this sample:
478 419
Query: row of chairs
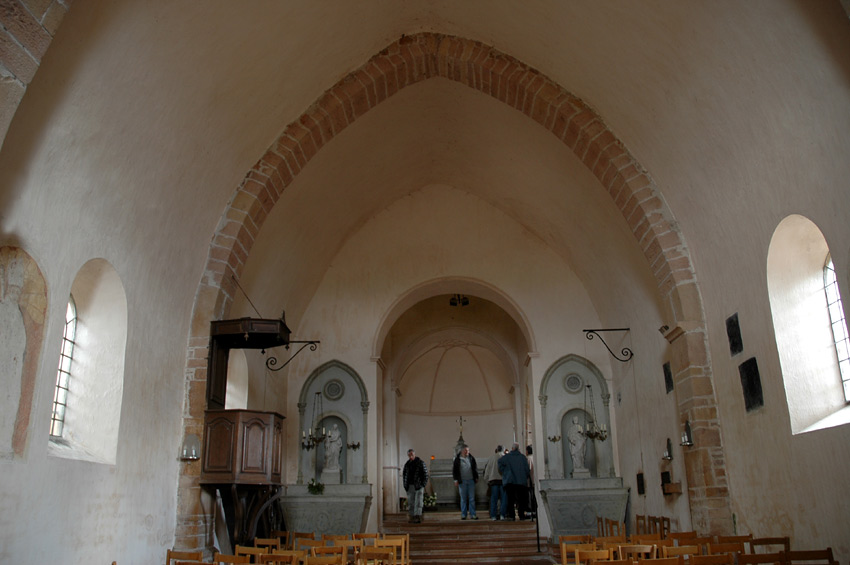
807 557
721 544
296 547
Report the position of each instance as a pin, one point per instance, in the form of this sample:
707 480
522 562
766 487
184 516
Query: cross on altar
460 422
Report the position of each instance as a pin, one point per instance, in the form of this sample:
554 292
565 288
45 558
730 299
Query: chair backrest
661 561
718 559
367 537
283 536
640 524
181 562
819 556
665 526
276 559
770 545
299 554
404 558
332 537
294 536
183 555
641 538
600 527
672 551
568 550
759 558
271 543
682 535
396 545
614 528
654 524
376 556
324 560
331 550
732 539
602 540
572 539
586 555
726 547
637 551
250 551
225 558
702 542
304 543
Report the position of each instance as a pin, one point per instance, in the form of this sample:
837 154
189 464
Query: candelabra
591 429
311 438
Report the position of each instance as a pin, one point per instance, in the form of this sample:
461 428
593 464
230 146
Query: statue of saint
333 447
577 440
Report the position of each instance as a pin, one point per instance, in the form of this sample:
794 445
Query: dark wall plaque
751 384
733 333
668 377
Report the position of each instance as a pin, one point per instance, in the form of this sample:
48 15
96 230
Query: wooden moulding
672 488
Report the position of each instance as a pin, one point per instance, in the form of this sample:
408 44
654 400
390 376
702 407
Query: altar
572 505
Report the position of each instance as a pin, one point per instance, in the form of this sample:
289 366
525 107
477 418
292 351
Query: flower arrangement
429 501
315 487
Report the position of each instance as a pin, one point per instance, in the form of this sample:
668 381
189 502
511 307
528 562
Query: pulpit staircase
443 538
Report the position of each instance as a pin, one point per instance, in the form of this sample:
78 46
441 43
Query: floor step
443 538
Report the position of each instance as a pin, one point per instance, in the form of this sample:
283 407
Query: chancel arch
427 55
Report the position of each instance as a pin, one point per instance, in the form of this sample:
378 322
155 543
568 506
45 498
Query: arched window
839 323
63 375
90 384
804 323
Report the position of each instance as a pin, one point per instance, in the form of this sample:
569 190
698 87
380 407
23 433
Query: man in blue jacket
515 471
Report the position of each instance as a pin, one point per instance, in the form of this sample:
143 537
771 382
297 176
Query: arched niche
344 401
562 394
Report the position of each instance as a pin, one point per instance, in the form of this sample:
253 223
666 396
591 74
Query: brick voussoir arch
409 60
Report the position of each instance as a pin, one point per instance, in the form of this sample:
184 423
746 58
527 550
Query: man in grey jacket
498 495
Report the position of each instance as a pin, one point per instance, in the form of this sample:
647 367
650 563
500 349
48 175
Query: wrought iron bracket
625 352
271 362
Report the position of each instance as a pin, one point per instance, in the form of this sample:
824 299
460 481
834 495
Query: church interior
474 221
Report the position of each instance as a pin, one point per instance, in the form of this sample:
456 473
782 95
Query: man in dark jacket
465 474
415 477
515 471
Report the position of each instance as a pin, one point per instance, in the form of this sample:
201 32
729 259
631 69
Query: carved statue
577 441
333 447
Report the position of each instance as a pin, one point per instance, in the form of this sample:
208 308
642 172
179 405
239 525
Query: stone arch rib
419 57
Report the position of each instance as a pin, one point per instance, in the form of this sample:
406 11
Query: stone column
545 428
302 406
365 406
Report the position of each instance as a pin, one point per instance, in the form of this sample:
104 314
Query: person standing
515 473
465 474
415 477
498 495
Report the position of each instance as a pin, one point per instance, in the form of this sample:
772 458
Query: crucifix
460 422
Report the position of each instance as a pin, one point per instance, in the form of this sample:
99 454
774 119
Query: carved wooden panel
242 447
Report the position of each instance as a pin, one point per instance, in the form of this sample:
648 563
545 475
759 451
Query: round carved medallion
573 383
334 389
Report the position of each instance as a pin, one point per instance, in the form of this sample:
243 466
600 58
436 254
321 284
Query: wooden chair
611 562
655 525
587 555
636 552
224 558
770 545
376 556
665 526
296 536
568 549
737 539
396 545
270 543
366 537
334 537
718 559
352 548
683 550
614 528
183 555
640 525
252 552
283 536
812 556
761 558
727 547
676 536
701 542
600 527
308 544
331 550
404 558
181 562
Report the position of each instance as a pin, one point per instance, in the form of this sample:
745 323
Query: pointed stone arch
420 57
